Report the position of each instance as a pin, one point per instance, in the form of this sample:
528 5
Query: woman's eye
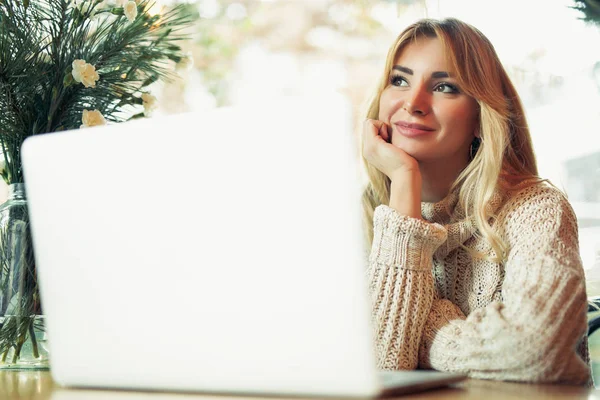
446 88
397 80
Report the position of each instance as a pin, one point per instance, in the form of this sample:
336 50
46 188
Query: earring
474 147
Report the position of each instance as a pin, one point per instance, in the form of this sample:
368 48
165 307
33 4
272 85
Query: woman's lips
412 130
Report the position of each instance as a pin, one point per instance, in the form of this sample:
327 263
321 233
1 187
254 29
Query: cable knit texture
436 306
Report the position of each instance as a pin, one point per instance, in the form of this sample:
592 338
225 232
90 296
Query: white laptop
209 252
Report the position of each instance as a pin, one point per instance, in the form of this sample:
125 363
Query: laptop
213 252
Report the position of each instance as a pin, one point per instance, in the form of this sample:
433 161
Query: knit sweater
436 306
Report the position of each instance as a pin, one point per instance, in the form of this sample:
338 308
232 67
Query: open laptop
216 251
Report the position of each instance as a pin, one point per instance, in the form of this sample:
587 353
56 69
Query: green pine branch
40 39
590 10
19 303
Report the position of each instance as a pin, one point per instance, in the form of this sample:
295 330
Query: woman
474 263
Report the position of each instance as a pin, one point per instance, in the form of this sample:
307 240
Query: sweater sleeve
533 334
401 284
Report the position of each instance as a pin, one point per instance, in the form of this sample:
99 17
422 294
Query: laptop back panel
218 251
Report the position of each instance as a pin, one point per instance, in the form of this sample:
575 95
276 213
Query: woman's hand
383 155
401 168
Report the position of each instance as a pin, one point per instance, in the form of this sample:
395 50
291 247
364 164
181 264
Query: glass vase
22 329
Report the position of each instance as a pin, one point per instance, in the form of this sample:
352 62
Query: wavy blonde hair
505 156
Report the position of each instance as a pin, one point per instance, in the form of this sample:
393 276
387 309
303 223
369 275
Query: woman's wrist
405 193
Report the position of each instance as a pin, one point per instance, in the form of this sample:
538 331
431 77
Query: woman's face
429 116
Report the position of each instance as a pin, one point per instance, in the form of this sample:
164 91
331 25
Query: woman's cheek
388 105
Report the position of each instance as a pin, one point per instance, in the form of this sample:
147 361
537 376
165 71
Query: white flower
85 73
186 63
92 118
130 10
149 103
121 3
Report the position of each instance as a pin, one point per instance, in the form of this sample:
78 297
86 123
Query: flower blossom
85 73
92 118
149 103
186 63
130 10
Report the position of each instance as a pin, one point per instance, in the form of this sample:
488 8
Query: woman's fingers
380 153
374 128
374 144
371 138
383 132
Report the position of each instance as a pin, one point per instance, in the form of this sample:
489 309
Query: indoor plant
66 65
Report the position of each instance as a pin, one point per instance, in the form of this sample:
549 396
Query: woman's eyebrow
403 69
440 74
435 75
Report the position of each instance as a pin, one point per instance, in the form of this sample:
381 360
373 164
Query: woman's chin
416 152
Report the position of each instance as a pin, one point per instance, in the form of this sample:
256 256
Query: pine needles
57 60
19 293
590 10
40 39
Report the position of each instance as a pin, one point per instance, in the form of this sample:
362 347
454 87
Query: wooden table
34 385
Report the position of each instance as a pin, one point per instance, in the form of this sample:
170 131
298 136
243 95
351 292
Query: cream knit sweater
436 307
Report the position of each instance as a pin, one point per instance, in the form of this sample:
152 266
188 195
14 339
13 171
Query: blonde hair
505 156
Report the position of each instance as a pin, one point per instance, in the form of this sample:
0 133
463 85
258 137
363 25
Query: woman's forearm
401 284
405 194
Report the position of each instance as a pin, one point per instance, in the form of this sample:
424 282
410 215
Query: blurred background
245 51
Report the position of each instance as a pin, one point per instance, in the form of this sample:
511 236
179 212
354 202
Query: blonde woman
474 263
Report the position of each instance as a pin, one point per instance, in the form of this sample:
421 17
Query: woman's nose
417 101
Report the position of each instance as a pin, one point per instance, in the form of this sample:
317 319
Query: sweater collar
443 211
449 213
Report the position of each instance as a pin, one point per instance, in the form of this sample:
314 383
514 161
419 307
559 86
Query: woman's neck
438 177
